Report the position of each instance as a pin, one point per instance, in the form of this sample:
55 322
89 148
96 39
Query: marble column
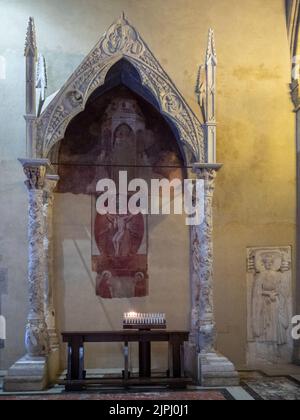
212 369
203 324
36 336
50 185
31 372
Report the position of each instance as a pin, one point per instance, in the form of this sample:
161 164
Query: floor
213 395
265 383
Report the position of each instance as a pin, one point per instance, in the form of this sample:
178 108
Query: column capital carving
208 173
35 171
204 170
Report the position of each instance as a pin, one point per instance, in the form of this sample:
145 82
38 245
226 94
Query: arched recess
76 150
120 42
168 275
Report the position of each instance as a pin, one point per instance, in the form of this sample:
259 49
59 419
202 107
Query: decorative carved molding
35 171
120 41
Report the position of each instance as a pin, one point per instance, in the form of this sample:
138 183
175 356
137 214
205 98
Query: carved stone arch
121 41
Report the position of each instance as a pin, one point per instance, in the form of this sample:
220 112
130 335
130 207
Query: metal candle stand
142 322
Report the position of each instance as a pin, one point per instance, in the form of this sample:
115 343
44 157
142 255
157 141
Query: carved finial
41 79
206 96
30 43
211 55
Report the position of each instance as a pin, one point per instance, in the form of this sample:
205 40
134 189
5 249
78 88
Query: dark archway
82 158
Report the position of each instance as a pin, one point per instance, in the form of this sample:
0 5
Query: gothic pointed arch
120 42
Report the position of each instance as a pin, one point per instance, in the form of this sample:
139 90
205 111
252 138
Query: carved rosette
203 323
36 336
50 185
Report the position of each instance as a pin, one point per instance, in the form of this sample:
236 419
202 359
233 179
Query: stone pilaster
212 369
50 185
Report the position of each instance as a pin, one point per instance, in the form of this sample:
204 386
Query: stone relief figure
114 42
269 305
269 310
121 37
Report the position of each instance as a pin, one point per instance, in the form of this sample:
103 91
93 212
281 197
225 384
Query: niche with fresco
118 131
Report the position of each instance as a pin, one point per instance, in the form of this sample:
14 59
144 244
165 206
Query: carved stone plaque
269 302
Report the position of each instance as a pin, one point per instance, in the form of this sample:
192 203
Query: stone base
209 370
27 374
215 370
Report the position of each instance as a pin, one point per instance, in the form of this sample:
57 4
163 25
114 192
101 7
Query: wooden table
76 377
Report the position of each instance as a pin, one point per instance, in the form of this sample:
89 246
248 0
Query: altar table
76 375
